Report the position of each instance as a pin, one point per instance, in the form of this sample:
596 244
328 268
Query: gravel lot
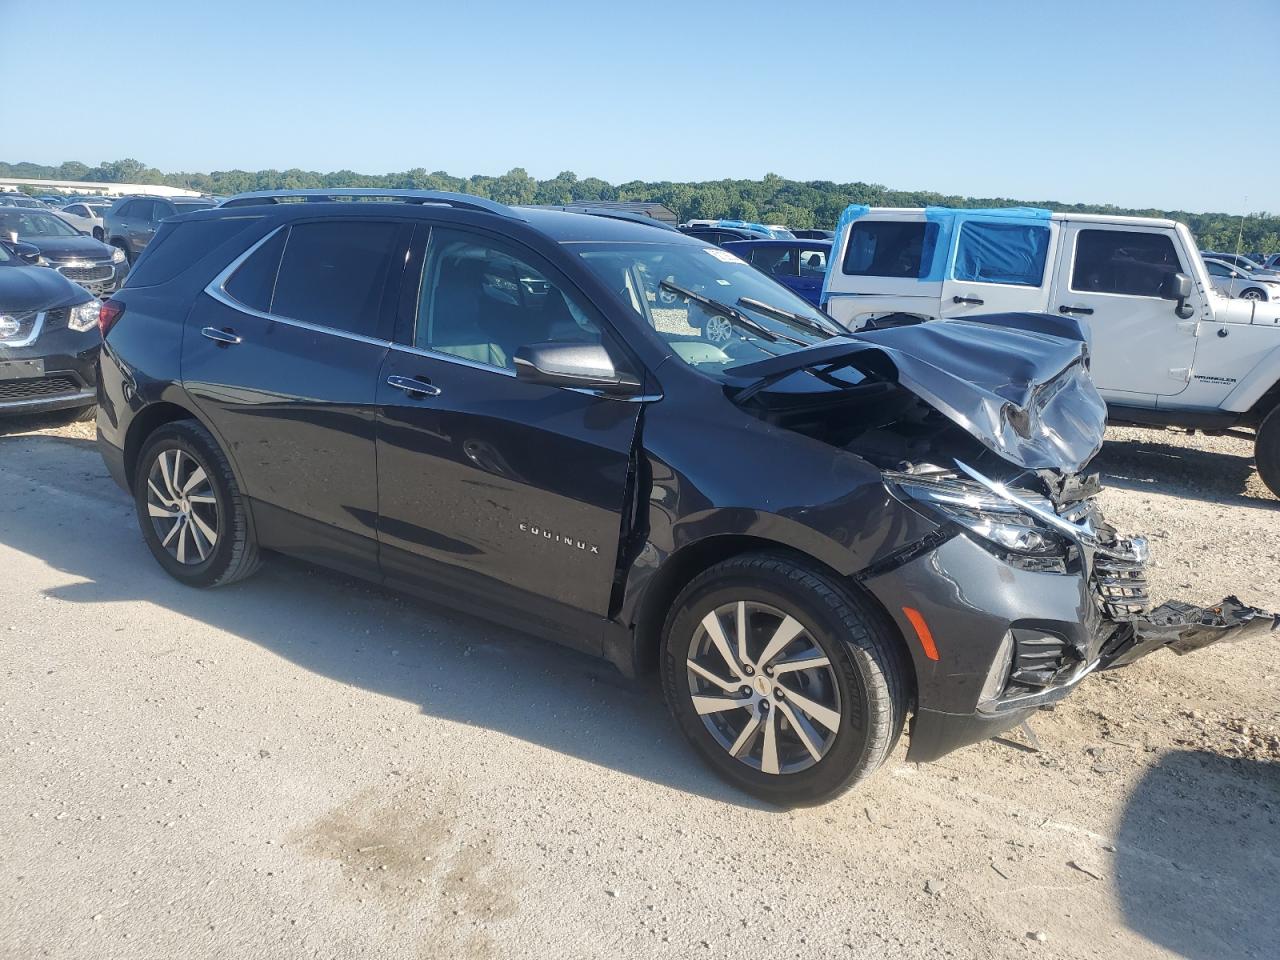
305 766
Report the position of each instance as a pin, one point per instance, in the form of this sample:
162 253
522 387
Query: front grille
1121 587
37 388
96 271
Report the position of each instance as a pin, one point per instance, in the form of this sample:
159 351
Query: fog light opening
998 675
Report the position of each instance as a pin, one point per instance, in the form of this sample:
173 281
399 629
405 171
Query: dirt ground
305 766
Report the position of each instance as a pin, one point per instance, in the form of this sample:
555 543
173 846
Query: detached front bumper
992 642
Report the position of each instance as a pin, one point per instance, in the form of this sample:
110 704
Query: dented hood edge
1019 383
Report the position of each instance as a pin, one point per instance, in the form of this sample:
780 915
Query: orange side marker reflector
922 631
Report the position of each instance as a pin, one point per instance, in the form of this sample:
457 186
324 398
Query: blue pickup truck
798 265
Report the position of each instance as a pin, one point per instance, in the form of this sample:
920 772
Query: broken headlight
991 519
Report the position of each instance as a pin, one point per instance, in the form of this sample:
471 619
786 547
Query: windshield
715 310
34 223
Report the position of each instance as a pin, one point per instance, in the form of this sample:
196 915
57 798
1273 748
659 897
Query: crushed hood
1018 382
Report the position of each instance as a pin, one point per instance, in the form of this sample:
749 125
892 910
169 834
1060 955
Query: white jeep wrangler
1166 349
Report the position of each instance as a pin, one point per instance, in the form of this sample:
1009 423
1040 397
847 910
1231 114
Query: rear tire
835 722
97 233
82 414
190 508
1266 451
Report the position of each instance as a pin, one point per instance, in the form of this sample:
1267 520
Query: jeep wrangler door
494 491
1113 276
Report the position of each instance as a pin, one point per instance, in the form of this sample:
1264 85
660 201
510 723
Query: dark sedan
48 341
98 268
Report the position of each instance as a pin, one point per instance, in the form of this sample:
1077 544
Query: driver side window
482 300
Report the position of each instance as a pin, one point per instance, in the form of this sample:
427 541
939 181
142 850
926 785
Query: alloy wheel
1251 295
763 687
717 330
182 506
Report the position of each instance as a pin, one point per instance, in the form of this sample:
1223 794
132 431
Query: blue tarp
847 216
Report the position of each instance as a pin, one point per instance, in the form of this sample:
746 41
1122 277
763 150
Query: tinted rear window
890 248
334 273
177 246
254 281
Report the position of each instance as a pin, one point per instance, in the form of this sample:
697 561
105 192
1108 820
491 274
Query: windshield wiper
735 315
795 318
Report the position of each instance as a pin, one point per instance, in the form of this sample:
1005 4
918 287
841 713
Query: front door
811 262
282 358
496 492
1111 276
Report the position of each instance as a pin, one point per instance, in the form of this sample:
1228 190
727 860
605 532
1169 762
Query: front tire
789 685
190 508
1266 451
1253 293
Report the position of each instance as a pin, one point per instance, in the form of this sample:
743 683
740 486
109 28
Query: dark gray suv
132 221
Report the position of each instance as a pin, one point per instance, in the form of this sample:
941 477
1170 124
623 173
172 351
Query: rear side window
255 280
177 246
334 274
1218 269
887 248
813 263
1123 261
1009 253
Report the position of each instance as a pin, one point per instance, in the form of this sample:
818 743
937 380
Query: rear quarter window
177 246
890 248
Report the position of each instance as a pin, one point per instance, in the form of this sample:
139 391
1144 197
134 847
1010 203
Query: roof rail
604 212
446 198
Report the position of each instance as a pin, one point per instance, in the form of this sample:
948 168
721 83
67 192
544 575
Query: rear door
282 357
492 490
139 224
1110 275
999 265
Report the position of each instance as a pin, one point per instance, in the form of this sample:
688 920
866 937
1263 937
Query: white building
92 186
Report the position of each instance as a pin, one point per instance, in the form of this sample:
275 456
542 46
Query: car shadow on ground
451 665
1198 856
1154 467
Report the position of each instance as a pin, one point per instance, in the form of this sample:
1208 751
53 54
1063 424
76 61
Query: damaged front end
986 426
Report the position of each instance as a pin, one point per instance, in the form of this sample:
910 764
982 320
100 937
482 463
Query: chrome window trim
452 358
216 288
31 337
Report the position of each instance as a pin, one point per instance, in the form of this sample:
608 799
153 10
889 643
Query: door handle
414 387
223 338
1087 311
974 301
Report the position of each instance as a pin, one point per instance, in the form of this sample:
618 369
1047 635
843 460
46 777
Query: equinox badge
558 538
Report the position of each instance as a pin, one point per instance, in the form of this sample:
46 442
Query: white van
1167 350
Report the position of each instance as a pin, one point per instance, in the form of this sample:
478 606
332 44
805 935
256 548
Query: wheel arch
150 419
679 569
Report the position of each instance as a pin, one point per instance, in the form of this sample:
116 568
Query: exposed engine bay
989 429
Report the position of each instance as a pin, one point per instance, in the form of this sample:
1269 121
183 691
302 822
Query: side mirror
1178 287
584 366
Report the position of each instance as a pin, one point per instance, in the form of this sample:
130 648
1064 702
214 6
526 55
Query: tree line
798 204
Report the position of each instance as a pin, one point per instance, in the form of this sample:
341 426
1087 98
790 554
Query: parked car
21 200
796 264
1233 281
131 222
1240 260
720 232
809 534
85 216
1271 262
48 341
89 262
814 234
1166 351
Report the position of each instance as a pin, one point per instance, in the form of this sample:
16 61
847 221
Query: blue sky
1119 102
